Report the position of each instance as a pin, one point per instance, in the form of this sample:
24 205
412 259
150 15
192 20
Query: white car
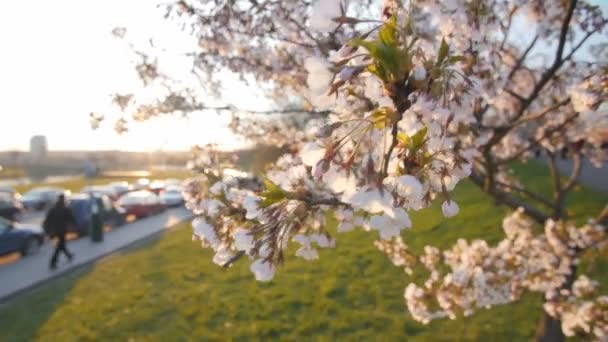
172 196
121 187
142 183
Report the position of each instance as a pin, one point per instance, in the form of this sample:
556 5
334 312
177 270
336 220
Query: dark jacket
57 220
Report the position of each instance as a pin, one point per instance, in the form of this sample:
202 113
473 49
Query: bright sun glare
57 68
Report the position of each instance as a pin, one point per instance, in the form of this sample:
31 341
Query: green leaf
455 59
443 51
418 138
272 194
388 58
404 139
382 117
414 142
388 32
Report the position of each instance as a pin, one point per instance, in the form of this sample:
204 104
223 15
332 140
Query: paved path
32 270
591 176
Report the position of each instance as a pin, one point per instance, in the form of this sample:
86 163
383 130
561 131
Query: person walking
56 225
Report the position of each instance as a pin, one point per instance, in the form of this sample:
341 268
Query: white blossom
323 13
371 200
449 208
243 240
419 73
307 253
262 270
222 256
251 204
311 154
205 231
390 226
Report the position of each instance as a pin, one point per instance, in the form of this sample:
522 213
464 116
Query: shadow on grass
32 309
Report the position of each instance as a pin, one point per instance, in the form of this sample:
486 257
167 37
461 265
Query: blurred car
173 181
156 186
172 196
102 190
11 207
141 184
12 191
141 203
41 198
243 179
15 237
82 209
121 187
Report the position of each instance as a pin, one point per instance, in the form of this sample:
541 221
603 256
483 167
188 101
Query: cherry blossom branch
503 198
522 58
526 192
533 143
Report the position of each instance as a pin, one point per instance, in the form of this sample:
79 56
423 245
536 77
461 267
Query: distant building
38 147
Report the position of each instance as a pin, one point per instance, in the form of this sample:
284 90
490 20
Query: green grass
167 289
11 173
79 182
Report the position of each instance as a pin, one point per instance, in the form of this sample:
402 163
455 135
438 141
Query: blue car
15 237
82 209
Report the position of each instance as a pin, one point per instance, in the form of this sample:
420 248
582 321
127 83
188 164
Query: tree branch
526 192
512 202
521 59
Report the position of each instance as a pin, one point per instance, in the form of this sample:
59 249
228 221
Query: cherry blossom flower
311 154
323 14
391 226
243 240
251 204
372 200
263 270
449 208
463 100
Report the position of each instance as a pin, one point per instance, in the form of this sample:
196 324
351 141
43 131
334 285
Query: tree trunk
549 330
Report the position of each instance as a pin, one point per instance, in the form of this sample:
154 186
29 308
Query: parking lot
19 274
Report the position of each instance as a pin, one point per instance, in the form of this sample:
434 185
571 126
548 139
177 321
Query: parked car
102 190
12 191
11 207
172 196
41 198
157 186
141 203
173 181
141 184
121 187
82 208
15 237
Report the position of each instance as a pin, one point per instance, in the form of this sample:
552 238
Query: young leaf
455 59
443 51
382 117
272 194
418 138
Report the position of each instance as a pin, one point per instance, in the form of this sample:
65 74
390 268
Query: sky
59 62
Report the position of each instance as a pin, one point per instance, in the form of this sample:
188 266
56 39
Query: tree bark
549 330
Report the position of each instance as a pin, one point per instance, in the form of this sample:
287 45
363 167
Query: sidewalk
34 269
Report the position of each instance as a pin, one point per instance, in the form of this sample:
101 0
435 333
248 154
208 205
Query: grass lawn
79 182
11 172
167 289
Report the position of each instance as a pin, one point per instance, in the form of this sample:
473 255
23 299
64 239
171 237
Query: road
32 270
